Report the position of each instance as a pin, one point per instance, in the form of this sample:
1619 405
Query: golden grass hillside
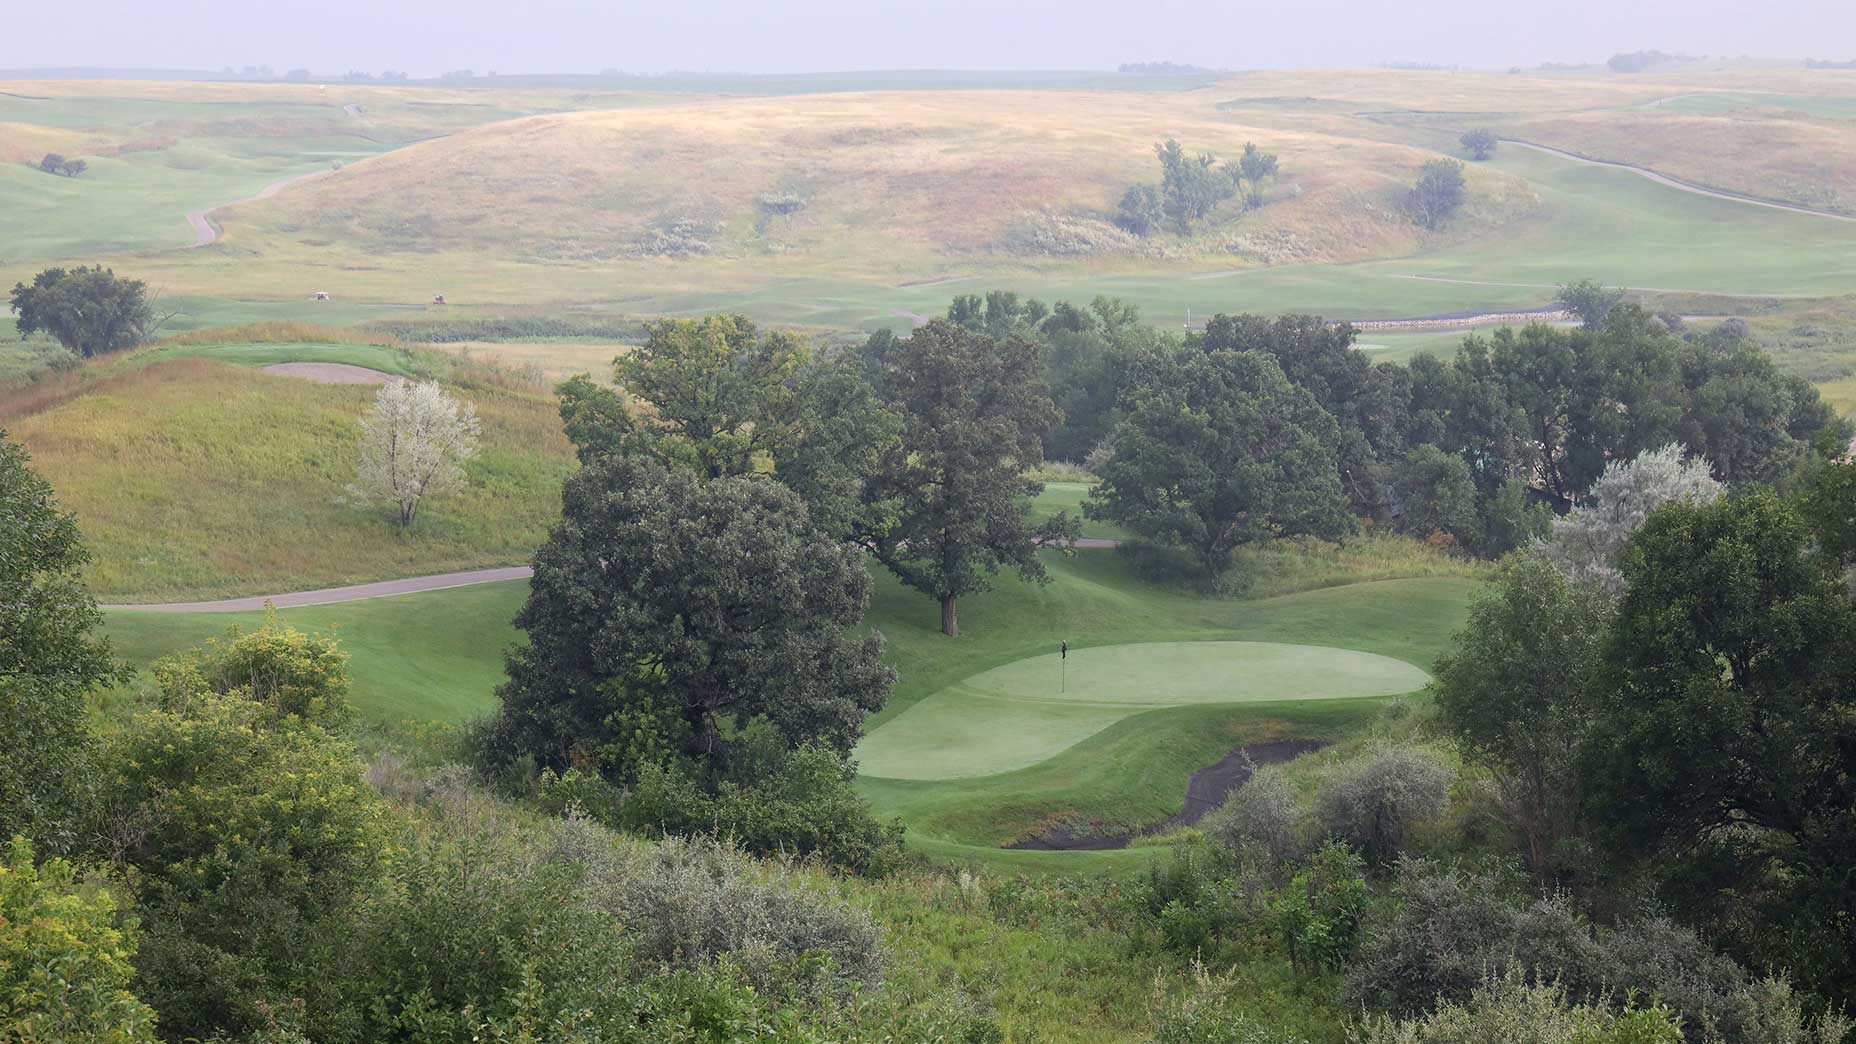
1774 132
193 478
1774 155
875 185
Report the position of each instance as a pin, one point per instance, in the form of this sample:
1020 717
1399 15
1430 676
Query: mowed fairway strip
1023 712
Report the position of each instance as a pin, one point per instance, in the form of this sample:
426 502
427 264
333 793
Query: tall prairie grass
195 478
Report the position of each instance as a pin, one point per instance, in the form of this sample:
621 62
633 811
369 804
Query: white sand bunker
330 373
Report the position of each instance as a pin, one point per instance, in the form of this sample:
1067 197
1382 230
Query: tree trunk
950 622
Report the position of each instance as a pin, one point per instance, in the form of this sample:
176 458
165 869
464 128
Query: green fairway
140 200
1026 711
433 657
437 657
1069 496
1835 107
369 356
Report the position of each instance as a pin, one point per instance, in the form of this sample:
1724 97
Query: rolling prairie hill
848 202
888 187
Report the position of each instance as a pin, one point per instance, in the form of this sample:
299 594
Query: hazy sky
429 36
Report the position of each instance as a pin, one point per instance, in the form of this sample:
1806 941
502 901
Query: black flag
1064 653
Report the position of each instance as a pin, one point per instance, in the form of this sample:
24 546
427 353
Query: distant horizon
738 38
281 74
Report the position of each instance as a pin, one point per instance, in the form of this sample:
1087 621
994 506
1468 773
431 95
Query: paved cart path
384 589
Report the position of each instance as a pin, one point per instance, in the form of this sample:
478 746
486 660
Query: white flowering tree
1585 544
414 443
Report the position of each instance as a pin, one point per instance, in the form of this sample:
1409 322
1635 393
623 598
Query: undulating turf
192 478
437 657
1023 712
1069 496
423 658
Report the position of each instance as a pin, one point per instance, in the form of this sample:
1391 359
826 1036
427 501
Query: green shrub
1320 913
699 903
247 835
277 666
799 802
1375 806
1260 821
1447 930
469 937
1511 1009
64 959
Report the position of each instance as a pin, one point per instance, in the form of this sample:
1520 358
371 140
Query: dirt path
204 231
1679 184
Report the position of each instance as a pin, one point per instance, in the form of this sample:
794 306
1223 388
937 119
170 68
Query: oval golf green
1020 713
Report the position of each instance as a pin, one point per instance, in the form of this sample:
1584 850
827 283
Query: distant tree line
1161 69
1254 427
1638 61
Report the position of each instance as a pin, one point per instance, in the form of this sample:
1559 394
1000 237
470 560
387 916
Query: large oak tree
1216 450
974 414
665 604
89 310
50 656
720 398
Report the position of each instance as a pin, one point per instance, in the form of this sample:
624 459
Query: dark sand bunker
1205 791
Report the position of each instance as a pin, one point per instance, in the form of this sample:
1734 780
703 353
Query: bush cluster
1446 930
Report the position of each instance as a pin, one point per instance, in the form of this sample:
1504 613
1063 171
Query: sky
427 37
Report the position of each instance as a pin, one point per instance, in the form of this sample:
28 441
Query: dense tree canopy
249 835
64 957
974 415
1218 449
719 398
50 656
89 310
1369 403
1725 728
664 605
1513 691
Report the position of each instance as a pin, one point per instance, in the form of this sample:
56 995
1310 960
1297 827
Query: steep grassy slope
194 476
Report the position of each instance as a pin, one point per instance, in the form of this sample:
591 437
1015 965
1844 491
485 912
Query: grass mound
1021 713
194 474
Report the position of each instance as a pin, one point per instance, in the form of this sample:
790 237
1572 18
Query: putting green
1022 712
